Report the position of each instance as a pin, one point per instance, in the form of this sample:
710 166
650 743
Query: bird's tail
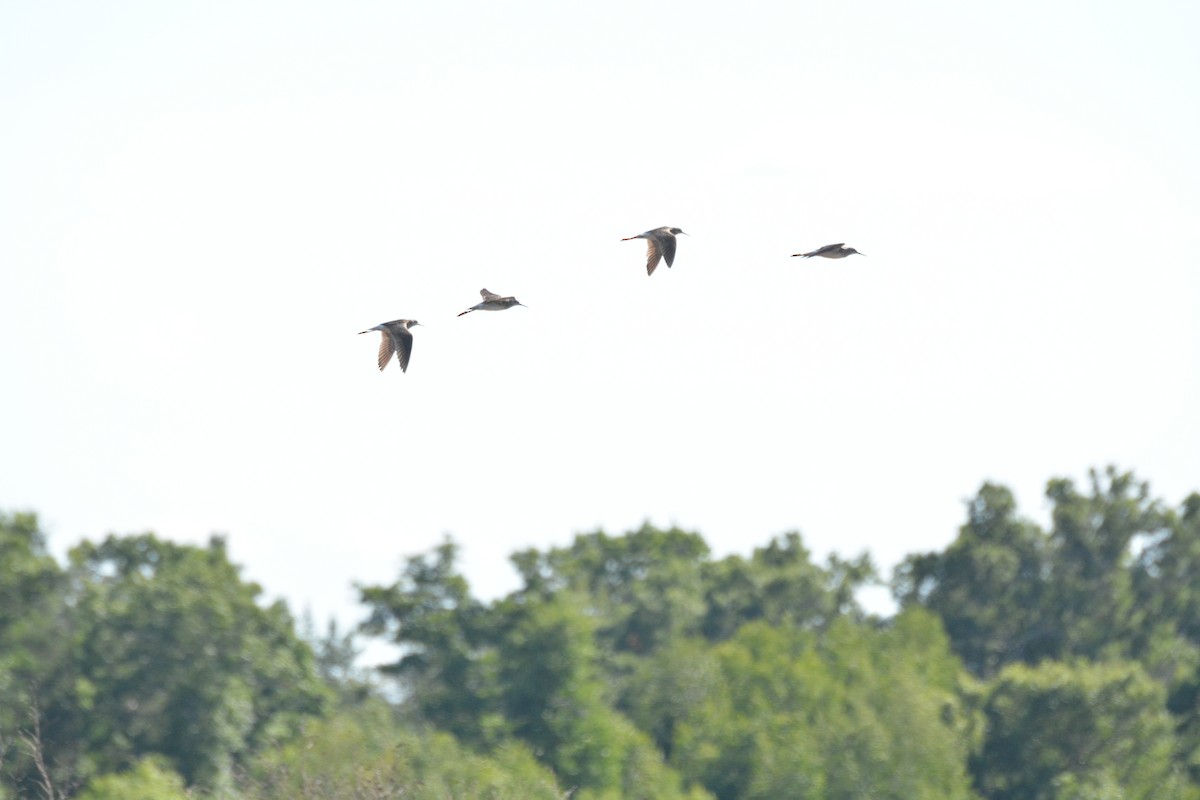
468 311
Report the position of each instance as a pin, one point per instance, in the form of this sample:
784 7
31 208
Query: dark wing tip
404 342
668 248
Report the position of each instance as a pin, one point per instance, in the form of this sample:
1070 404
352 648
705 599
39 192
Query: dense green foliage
1095 730
1024 663
1105 604
370 753
147 780
856 713
142 647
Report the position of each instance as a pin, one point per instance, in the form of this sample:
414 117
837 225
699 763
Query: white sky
201 204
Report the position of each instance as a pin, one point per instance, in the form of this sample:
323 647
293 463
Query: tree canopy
1057 662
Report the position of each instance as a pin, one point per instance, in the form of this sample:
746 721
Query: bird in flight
397 338
830 251
660 244
493 302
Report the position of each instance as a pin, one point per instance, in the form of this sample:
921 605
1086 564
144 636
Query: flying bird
493 302
397 338
830 251
660 244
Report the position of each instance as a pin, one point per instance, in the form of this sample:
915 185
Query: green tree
643 587
1166 588
149 779
336 657
1166 584
1167 572
446 636
1184 704
28 575
174 656
551 693
1058 731
38 733
366 752
1090 588
1007 591
988 587
780 584
663 688
852 712
554 699
527 666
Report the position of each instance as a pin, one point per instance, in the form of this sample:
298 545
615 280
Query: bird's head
677 231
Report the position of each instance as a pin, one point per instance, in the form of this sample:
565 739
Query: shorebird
660 244
830 251
493 302
396 339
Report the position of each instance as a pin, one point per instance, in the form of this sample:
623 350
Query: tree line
1024 662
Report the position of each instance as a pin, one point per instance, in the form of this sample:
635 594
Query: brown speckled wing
653 256
386 348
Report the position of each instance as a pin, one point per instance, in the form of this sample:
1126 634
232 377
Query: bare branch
33 741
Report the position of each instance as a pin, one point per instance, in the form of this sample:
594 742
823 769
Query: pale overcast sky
201 204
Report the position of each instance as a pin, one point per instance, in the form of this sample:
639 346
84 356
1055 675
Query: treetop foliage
1052 664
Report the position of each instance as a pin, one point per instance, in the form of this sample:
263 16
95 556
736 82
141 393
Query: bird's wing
486 295
653 255
387 346
666 243
402 340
